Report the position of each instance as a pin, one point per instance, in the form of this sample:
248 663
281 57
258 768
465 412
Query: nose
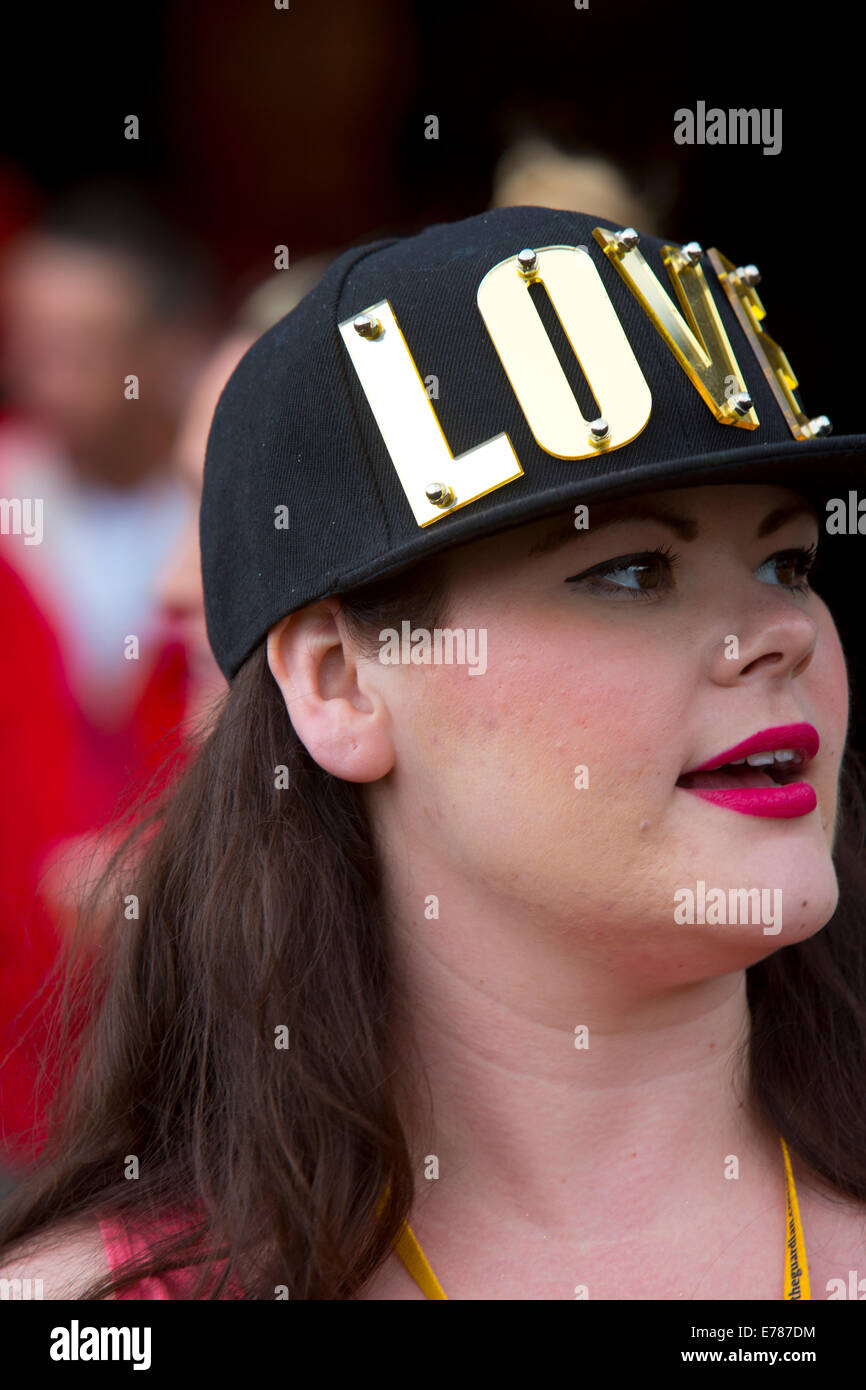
772 639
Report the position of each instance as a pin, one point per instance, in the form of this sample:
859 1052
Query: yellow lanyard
796 1269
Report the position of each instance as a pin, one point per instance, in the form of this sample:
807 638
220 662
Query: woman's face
638 675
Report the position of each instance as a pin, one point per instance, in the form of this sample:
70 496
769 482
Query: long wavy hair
227 1052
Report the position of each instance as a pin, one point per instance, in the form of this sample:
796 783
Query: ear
334 705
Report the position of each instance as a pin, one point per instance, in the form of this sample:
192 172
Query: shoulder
60 1263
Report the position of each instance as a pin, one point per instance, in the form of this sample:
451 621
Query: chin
761 900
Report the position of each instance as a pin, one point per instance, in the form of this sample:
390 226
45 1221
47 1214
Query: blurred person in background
534 173
100 290
178 596
179 589
37 743
104 314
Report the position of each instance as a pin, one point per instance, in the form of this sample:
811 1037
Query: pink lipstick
761 776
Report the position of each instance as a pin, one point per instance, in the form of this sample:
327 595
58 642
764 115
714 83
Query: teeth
780 755
767 758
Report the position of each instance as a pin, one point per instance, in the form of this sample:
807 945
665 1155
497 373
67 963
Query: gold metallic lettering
701 346
774 364
410 428
590 323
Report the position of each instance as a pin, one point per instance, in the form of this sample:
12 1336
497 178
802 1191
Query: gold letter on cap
701 346
771 359
590 323
435 482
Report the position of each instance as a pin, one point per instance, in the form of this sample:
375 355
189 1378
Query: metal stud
440 494
820 425
527 261
749 274
367 327
693 252
626 240
599 431
740 404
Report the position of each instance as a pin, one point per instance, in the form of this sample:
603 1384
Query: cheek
837 682
828 696
555 697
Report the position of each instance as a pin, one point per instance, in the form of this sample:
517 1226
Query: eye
791 568
644 574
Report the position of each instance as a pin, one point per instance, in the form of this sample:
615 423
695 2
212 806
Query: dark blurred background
307 127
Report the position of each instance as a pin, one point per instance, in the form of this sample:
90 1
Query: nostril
801 665
770 659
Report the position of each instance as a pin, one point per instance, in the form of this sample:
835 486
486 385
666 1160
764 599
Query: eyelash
805 555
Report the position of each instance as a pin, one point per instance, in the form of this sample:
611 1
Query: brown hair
259 909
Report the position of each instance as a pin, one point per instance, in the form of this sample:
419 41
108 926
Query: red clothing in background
60 778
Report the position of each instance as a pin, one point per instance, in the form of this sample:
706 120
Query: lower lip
797 799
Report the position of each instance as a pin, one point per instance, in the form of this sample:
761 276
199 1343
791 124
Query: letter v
701 346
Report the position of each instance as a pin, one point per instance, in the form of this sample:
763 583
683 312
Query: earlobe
345 729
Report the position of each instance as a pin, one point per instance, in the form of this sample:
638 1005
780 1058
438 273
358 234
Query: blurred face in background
180 588
76 321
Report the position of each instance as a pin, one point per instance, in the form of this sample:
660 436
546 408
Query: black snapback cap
484 373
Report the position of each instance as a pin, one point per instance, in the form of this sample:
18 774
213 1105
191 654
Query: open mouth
761 776
777 769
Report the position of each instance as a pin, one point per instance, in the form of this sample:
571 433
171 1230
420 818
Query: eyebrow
684 527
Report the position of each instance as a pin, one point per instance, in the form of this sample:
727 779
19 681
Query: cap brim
818 468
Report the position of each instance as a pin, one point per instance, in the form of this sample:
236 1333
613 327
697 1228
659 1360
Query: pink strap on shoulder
125 1240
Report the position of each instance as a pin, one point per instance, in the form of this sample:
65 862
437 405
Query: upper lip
803 738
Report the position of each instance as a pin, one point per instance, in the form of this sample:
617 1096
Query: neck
653 1099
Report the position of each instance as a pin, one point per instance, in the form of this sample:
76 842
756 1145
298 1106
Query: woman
460 968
